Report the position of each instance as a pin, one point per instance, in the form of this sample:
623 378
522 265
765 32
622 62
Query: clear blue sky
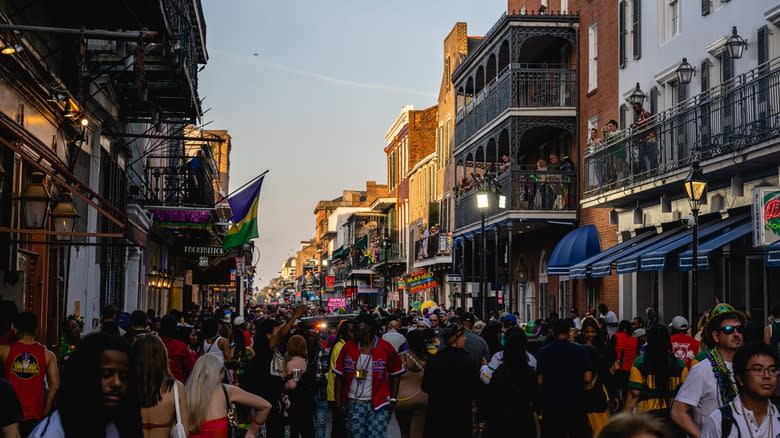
313 104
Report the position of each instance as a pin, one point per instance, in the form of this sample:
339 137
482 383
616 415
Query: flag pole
242 186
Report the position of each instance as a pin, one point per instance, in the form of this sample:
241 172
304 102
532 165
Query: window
763 44
654 100
447 147
593 48
622 115
637 29
706 7
448 74
622 33
704 75
674 15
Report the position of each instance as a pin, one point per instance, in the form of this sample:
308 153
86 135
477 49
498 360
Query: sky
308 89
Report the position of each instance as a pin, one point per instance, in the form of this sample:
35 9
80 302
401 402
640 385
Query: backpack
775 330
727 420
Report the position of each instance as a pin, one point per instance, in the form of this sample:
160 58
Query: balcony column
510 268
495 268
473 262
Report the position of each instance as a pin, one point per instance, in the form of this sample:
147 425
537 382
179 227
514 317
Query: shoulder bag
233 430
178 428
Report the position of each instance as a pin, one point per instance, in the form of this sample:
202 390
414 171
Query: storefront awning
340 253
580 244
654 257
685 261
773 255
582 269
603 267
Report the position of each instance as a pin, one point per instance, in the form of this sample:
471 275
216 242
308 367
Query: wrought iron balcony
516 87
538 194
435 245
178 181
737 117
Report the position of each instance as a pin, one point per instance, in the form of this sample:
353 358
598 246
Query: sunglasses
730 329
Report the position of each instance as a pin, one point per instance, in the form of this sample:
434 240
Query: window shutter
622 116
637 29
705 7
704 75
763 45
726 67
622 33
682 92
654 100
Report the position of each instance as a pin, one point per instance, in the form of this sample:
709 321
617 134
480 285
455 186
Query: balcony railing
537 191
435 245
178 181
518 86
723 120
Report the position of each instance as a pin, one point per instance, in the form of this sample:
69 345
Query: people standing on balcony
539 183
506 163
32 371
555 193
645 154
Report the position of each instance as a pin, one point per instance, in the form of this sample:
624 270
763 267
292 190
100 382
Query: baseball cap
468 317
239 320
452 332
679 323
509 319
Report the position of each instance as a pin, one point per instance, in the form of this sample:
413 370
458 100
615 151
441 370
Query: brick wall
422 134
601 103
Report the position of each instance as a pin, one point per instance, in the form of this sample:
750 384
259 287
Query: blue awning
654 258
580 244
603 267
582 269
773 255
685 262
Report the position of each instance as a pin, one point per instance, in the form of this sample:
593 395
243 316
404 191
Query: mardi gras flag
244 221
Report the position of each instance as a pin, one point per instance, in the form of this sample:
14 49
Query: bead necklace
726 386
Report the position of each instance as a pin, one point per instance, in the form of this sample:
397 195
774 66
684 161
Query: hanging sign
419 281
335 303
766 216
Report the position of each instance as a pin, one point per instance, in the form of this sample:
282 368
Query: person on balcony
505 164
595 167
615 160
645 155
556 193
539 188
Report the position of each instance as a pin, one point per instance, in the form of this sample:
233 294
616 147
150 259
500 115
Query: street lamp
685 72
637 96
35 202
735 44
695 186
483 204
64 216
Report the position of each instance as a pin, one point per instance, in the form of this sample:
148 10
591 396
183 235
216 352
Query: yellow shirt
334 355
642 381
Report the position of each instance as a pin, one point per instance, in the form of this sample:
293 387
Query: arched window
480 83
490 70
503 57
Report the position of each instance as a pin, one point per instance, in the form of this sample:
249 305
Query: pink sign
335 303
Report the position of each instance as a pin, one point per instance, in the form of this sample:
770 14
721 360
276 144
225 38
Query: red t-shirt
684 347
180 360
385 363
25 369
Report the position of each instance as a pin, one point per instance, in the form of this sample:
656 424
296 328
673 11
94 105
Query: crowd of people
277 373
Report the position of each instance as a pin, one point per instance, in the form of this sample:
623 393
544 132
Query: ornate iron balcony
542 194
738 115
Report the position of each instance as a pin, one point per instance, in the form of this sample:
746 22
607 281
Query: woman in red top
208 401
180 360
626 348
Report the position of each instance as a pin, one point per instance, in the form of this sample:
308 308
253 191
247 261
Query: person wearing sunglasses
751 413
710 383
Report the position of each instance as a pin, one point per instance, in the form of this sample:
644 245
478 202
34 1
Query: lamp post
385 248
685 72
35 202
483 204
522 279
637 96
695 186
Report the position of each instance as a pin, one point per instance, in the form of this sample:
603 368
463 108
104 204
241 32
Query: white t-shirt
361 389
610 318
700 390
213 349
51 427
394 338
746 422
486 371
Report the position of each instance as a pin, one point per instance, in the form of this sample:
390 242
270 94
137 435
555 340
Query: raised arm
261 406
276 339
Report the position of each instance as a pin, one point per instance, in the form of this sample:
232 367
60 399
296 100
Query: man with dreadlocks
710 383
